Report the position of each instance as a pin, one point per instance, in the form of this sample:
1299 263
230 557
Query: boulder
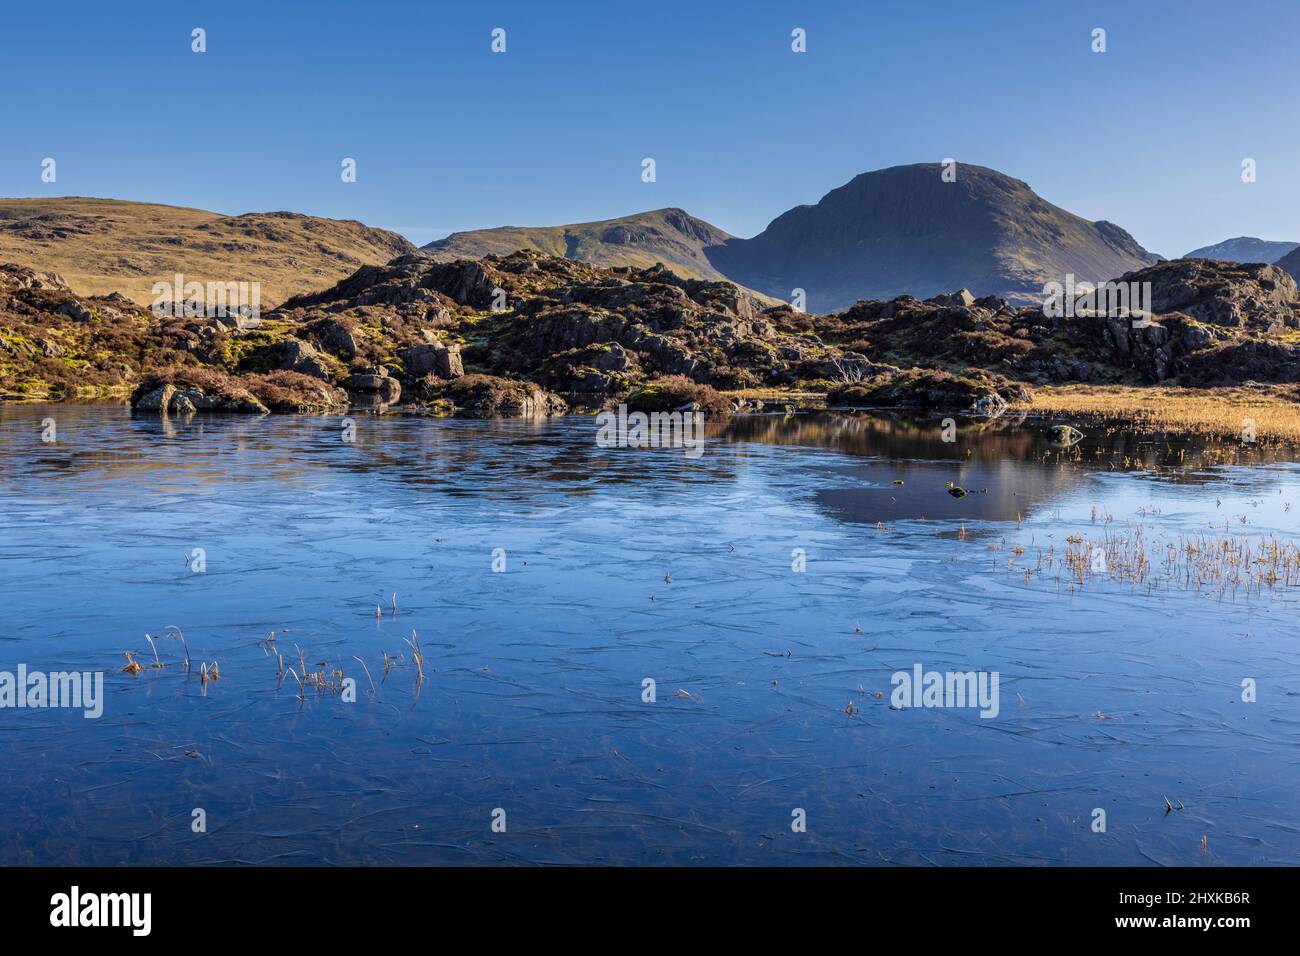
377 384
335 338
465 282
989 405
441 361
155 400
613 359
76 310
1065 435
182 403
296 355
961 299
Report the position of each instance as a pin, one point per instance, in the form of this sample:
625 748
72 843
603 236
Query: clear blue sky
450 136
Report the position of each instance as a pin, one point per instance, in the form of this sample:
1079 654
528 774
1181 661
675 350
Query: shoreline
1222 412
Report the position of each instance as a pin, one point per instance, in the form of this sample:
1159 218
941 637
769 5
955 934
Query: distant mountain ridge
902 230
896 231
1244 249
107 245
670 236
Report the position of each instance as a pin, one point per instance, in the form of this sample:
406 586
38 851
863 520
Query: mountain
886 233
105 245
1244 249
1290 263
670 236
904 230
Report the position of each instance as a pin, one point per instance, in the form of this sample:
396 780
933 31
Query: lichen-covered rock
296 355
335 337
598 369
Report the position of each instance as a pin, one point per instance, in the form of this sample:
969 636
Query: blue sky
448 136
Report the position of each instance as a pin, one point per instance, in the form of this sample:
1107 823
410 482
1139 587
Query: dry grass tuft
1221 412
1214 563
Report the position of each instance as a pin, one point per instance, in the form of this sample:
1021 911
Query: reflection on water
622 565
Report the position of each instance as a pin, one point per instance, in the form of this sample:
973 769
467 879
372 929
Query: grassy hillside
106 245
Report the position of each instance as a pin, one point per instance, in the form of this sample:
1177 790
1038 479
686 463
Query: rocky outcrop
662 324
21 277
598 369
1214 323
186 390
1211 323
436 359
568 326
297 355
1254 297
76 310
603 332
407 280
977 393
488 396
417 328
55 345
171 399
376 385
1236 362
